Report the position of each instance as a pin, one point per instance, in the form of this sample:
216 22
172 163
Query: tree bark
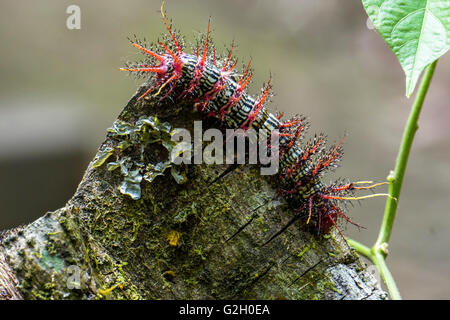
203 239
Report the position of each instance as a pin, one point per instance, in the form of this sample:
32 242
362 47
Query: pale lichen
132 140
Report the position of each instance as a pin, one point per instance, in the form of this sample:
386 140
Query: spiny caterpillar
216 89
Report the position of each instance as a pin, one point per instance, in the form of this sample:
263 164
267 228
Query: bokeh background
61 89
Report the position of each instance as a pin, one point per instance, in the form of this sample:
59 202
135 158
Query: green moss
322 285
304 249
262 225
200 253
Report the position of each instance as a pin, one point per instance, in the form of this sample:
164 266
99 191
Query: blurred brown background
61 89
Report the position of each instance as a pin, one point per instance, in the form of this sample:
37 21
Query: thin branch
377 254
396 177
360 248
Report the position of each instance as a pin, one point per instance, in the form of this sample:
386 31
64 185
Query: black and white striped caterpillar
215 89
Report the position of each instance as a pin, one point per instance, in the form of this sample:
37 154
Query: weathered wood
128 249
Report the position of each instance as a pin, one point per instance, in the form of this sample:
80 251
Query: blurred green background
61 89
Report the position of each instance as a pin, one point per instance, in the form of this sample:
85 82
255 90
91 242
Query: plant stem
377 259
360 248
396 177
377 254
380 263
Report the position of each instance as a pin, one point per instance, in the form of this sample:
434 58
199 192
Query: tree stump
202 239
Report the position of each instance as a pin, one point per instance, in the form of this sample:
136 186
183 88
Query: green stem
378 260
396 177
360 248
377 254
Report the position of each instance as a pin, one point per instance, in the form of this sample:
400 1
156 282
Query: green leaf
417 31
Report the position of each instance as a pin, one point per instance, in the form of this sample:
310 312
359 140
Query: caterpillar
215 89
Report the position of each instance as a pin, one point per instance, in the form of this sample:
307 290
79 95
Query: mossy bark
204 239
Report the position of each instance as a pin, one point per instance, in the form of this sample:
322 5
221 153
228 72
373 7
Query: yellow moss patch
107 292
174 238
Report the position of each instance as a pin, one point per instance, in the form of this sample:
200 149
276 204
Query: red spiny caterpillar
216 89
